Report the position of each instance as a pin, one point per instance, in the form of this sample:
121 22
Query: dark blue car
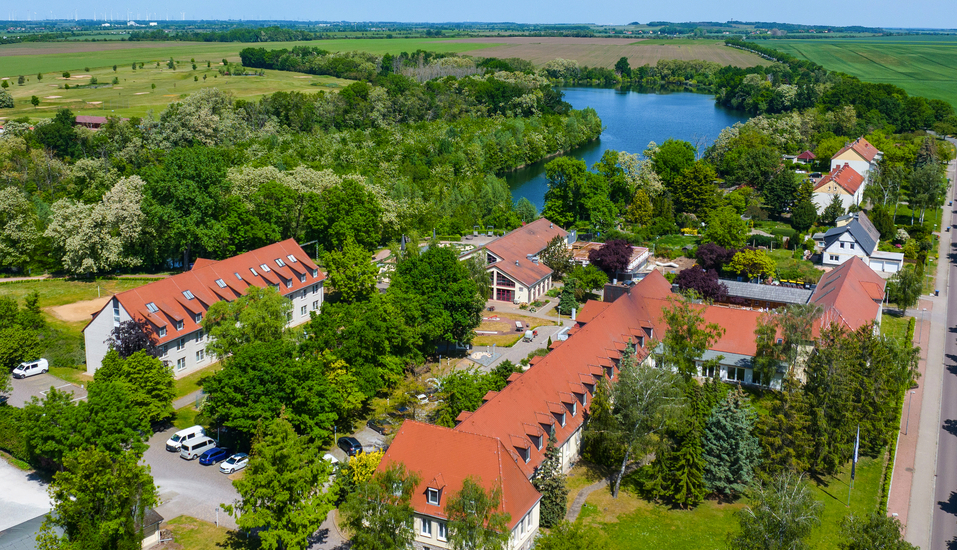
214 455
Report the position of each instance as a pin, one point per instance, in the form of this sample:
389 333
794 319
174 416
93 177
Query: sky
876 13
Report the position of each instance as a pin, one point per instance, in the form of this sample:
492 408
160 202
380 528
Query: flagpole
857 445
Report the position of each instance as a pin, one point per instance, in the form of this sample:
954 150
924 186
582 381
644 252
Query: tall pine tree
731 451
602 443
783 432
687 484
550 482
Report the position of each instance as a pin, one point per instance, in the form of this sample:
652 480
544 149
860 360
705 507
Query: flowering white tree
18 227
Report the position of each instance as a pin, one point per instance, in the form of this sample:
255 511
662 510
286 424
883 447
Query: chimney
516 262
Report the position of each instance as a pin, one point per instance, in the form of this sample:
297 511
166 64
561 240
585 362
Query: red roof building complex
553 396
175 307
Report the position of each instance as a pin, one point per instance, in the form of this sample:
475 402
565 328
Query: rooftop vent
516 262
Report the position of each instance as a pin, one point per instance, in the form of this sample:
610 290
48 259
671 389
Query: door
504 294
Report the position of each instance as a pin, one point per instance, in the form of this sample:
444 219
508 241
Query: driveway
38 386
187 487
23 497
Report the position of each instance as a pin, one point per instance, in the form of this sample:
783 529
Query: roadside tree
379 512
475 521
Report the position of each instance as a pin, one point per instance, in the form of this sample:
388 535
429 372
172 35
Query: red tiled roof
445 457
851 295
514 247
590 310
844 176
807 155
201 281
862 147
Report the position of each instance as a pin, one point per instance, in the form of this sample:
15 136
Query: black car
350 446
381 426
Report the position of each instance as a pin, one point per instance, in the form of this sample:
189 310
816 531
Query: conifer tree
687 483
783 431
731 451
566 301
602 443
550 482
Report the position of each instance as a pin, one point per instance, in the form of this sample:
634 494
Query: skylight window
221 283
253 271
292 259
238 276
280 263
264 267
188 294
151 307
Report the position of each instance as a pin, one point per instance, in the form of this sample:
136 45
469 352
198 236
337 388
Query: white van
176 442
199 445
30 368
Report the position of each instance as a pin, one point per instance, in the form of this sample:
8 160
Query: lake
632 120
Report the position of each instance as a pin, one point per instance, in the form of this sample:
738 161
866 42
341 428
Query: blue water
632 120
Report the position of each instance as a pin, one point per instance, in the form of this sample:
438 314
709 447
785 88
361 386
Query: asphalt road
944 529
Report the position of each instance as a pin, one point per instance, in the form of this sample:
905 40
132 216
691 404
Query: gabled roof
807 155
850 295
446 457
862 147
844 176
514 247
768 293
860 228
167 295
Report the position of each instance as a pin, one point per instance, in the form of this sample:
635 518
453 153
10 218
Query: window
852 246
833 257
162 332
163 349
302 310
502 280
180 344
292 259
151 307
525 453
574 409
280 263
253 271
240 277
188 294
181 363
442 531
426 527
288 283
708 371
315 305
265 268
199 336
842 245
315 289
315 273
736 374
198 317
200 355
537 440
179 325
302 277
432 496
221 283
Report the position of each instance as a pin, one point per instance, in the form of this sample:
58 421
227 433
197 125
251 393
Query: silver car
234 463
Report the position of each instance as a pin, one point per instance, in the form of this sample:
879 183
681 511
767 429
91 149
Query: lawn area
194 534
58 292
186 417
922 65
677 241
791 268
505 324
894 326
635 524
190 383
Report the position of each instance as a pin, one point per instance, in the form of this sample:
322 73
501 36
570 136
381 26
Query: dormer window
292 259
188 294
302 277
151 307
198 317
221 283
432 496
288 283
525 453
315 273
572 407
537 440
179 325
561 418
265 268
161 332
280 263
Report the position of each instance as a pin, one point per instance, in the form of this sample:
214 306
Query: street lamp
909 400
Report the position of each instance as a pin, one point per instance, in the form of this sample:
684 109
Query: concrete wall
98 331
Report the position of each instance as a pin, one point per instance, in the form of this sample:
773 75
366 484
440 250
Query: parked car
381 426
193 449
330 458
175 443
234 463
31 368
350 445
214 455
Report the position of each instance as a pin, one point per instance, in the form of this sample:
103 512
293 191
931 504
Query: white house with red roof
843 182
517 274
859 155
174 307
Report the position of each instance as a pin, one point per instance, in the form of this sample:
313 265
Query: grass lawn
790 268
633 523
58 292
894 326
921 65
186 417
505 324
194 534
190 383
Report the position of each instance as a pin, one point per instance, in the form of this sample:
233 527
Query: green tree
345 210
875 532
833 211
752 263
146 379
783 431
475 521
726 228
573 536
557 256
781 516
694 190
640 211
587 278
731 451
259 316
686 464
672 158
904 289
779 193
623 68
99 500
18 344
601 441
478 271
525 210
803 216
379 512
352 271
566 300
281 491
550 482
35 101
883 222
687 338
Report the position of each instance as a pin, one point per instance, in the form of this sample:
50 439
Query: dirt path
78 311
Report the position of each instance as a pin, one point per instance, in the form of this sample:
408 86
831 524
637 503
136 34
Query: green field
921 65
28 59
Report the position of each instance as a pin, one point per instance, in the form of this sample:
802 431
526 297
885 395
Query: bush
784 232
11 435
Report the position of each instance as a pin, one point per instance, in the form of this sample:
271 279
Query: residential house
806 157
850 295
843 182
859 155
856 237
92 122
518 275
443 458
637 262
174 307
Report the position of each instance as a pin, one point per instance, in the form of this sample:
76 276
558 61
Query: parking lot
37 386
368 438
185 486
